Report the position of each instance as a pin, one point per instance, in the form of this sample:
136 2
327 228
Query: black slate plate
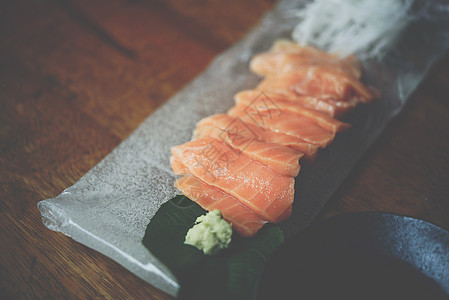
360 256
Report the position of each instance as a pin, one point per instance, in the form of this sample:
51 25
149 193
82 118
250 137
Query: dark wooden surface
77 77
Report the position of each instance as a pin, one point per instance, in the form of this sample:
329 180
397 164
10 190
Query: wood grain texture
77 77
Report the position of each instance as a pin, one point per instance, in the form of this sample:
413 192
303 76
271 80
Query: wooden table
77 77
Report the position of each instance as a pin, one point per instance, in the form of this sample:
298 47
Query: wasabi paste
211 233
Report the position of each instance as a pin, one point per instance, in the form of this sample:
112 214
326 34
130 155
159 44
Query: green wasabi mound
211 233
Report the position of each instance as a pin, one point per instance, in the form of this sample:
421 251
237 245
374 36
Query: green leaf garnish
165 234
231 274
245 264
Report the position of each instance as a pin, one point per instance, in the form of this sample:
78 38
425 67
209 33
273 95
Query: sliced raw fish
267 193
317 81
285 122
281 159
254 132
316 103
261 101
245 162
243 220
287 56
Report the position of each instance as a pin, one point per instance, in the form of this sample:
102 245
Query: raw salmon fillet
251 132
286 56
261 101
285 122
243 220
268 194
317 81
281 159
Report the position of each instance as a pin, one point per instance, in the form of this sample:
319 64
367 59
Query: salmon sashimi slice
281 159
286 56
253 132
267 193
317 81
243 220
261 101
350 63
285 122
329 106
332 107
316 103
